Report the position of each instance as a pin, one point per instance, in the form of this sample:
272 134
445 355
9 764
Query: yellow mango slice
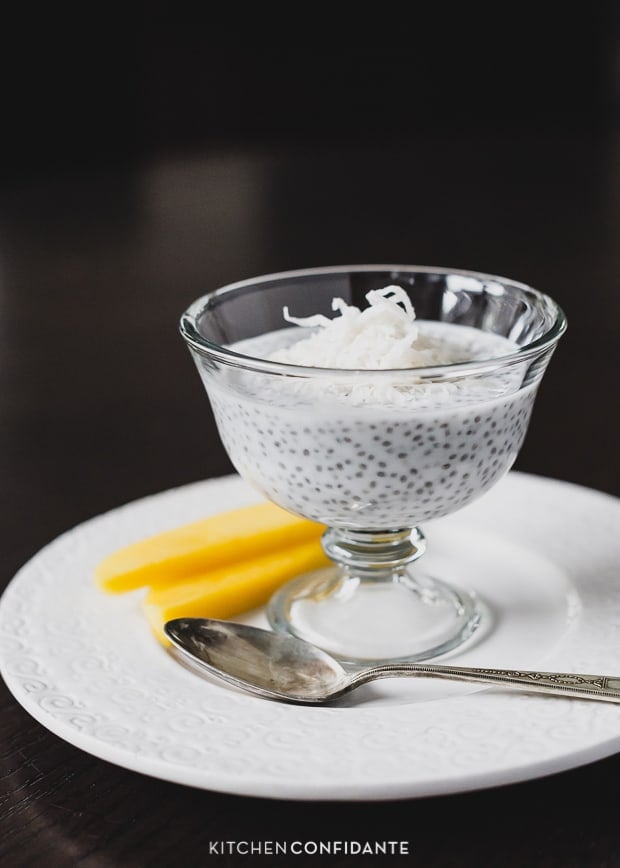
230 590
208 544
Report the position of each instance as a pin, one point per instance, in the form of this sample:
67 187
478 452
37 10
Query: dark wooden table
100 404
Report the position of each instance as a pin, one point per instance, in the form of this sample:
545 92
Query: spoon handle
603 687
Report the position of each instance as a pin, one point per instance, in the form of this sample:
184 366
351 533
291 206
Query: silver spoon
280 666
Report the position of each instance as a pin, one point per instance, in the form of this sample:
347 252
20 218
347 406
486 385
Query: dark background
154 153
95 88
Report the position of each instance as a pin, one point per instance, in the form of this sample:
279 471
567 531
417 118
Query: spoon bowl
282 667
275 665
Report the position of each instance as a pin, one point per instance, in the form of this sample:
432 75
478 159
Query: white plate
544 555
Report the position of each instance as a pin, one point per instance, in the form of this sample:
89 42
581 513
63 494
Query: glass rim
188 326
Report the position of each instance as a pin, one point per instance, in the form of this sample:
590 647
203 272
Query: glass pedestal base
361 620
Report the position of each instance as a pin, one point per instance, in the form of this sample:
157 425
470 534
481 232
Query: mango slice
235 588
205 545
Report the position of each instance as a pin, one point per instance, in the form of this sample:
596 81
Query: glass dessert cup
373 454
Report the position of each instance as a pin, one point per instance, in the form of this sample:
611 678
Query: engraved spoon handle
602 687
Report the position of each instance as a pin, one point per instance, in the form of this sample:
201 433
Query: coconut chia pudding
372 450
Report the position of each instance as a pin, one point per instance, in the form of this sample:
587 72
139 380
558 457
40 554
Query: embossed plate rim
450 745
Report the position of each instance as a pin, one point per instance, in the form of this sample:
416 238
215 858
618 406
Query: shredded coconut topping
384 335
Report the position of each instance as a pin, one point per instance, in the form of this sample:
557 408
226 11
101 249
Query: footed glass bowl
372 454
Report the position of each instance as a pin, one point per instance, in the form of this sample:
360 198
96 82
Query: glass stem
374 555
